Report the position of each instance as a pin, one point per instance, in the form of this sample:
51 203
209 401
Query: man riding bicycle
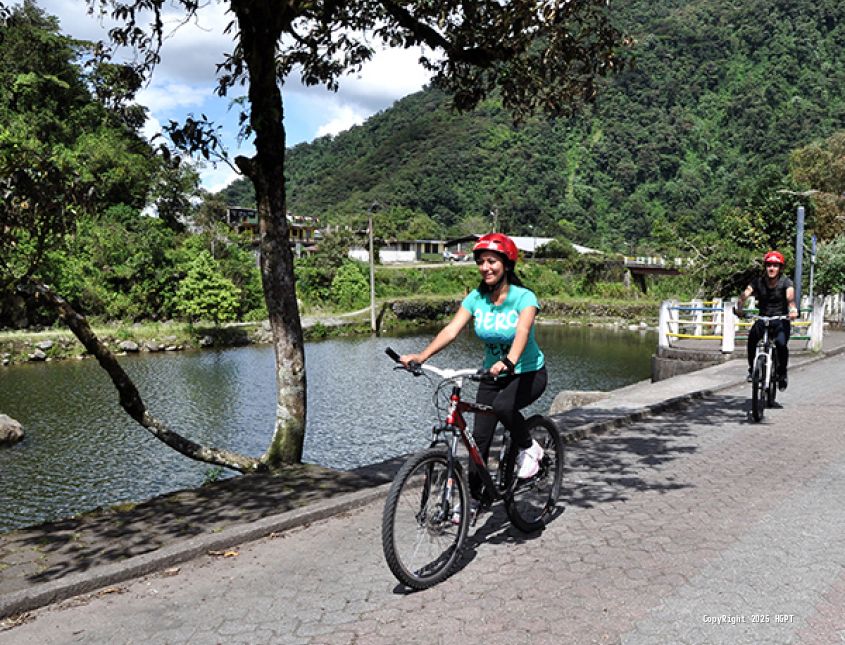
775 294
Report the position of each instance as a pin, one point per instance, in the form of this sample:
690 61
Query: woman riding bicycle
504 312
775 295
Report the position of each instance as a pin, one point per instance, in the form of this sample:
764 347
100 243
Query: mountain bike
764 368
427 512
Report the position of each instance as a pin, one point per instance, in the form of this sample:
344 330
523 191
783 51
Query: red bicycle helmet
499 243
774 257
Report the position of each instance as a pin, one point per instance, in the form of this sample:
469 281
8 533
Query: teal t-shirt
496 326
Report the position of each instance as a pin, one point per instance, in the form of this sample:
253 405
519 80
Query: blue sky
184 82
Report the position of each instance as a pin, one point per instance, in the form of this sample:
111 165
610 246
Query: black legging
507 396
780 330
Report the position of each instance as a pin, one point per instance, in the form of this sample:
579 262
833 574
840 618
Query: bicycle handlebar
765 318
758 316
417 369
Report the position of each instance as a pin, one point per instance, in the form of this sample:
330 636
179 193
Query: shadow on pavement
606 468
55 549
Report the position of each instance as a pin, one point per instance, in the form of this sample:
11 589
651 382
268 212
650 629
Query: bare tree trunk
261 24
130 399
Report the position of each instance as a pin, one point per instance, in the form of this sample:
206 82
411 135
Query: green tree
557 248
422 227
211 210
172 191
118 265
69 149
820 167
63 151
830 266
205 293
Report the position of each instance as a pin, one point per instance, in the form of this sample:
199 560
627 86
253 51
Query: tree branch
423 33
130 399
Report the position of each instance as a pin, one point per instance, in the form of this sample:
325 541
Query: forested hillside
720 94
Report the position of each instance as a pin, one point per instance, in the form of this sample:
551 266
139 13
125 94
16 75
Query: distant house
402 251
418 248
242 219
304 230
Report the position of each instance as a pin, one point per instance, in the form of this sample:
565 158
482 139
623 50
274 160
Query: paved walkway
688 526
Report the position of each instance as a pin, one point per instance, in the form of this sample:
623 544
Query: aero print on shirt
496 326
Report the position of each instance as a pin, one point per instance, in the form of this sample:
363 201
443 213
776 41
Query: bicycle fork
446 502
443 510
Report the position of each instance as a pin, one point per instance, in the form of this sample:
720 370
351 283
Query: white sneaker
528 461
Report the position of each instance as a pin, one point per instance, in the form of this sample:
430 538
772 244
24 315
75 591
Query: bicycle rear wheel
424 529
533 500
758 388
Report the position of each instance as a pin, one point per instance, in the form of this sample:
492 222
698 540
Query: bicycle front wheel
425 524
758 388
533 500
772 393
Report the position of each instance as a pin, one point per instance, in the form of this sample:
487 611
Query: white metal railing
834 308
714 320
655 261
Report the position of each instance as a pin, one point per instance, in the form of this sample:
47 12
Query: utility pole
373 208
812 267
799 256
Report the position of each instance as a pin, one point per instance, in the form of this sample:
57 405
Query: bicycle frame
765 347
456 425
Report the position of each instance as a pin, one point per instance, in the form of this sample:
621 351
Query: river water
82 450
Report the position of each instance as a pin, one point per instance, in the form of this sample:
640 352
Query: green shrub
350 287
256 315
613 290
205 293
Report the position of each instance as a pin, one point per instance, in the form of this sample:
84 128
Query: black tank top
771 301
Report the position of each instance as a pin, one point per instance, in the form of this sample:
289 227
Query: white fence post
663 325
674 316
728 327
816 326
717 317
697 317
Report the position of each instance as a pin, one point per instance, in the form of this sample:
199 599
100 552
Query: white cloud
161 98
216 179
344 117
185 79
390 75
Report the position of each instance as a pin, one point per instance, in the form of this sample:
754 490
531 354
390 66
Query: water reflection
81 450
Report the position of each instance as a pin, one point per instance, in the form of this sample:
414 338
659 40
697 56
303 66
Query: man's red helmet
774 257
499 243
